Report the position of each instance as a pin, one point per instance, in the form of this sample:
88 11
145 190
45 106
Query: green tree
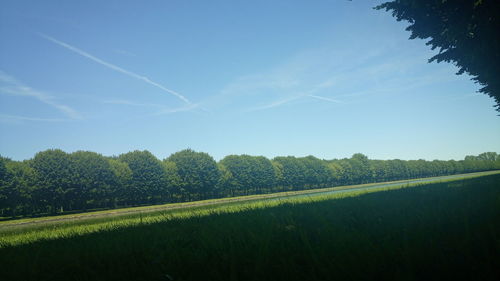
93 179
396 169
347 176
54 180
417 168
123 176
294 172
53 174
465 32
198 172
173 183
4 182
336 173
20 188
3 169
226 185
379 170
488 156
278 175
265 173
148 177
361 172
317 174
250 173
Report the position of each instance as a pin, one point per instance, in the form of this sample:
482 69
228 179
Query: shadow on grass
445 231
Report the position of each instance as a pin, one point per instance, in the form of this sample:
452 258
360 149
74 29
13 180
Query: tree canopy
465 32
148 176
250 172
197 170
54 181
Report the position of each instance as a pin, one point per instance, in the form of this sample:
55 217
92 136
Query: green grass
25 231
447 231
93 216
18 235
154 208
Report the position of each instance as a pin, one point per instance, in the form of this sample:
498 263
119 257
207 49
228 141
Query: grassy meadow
448 230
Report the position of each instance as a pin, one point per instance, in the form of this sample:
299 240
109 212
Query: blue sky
322 78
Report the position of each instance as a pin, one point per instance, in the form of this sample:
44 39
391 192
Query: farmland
426 231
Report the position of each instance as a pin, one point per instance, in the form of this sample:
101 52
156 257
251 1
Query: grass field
22 231
447 230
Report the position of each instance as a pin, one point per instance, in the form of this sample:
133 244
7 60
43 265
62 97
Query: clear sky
322 78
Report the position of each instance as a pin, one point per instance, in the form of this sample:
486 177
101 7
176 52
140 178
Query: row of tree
54 181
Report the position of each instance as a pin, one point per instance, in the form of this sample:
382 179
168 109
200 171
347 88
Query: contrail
180 109
324 98
24 118
114 67
274 104
132 103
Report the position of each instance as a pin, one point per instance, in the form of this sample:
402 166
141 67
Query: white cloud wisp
13 87
115 68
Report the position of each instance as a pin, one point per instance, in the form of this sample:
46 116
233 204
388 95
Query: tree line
54 181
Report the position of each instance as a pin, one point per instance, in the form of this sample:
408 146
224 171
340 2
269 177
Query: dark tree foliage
3 169
293 172
173 182
466 33
123 180
19 188
4 180
148 177
198 172
227 184
348 175
250 172
360 168
55 181
316 172
53 175
93 178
